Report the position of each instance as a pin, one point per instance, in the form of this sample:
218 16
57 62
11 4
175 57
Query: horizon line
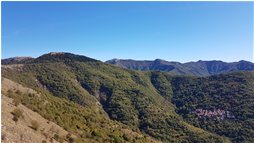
34 57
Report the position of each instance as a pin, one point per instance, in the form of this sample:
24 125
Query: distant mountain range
199 68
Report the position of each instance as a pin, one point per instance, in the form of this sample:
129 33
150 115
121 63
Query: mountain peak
57 53
158 60
62 57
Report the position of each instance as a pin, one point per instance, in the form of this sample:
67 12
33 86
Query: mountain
59 98
16 60
199 68
98 102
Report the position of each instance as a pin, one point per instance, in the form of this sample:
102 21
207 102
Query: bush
18 92
127 137
96 133
17 113
16 101
3 137
34 125
69 138
118 139
44 141
15 119
56 137
10 93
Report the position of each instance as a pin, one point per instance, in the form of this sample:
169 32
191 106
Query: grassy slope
127 96
22 131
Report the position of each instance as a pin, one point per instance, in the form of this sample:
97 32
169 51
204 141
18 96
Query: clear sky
174 31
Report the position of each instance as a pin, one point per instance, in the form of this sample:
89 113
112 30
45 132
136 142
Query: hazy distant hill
98 102
199 68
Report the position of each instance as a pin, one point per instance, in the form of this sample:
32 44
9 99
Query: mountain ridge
20 58
199 68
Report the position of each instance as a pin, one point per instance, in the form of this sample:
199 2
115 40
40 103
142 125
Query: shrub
56 137
18 92
10 93
118 139
96 133
34 125
127 137
51 140
44 141
15 119
30 94
46 135
69 138
17 113
16 101
3 137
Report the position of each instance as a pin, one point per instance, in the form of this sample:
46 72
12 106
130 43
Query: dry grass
21 131
10 85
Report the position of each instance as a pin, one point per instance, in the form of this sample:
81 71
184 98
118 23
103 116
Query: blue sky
174 31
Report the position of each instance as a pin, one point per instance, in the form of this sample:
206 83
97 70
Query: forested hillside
100 102
222 104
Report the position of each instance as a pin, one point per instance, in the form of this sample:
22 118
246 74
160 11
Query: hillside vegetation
98 102
232 93
222 104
